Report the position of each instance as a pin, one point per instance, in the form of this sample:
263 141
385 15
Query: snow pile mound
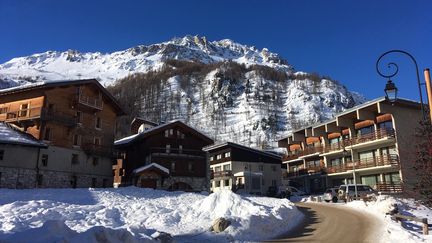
135 214
252 218
393 231
58 231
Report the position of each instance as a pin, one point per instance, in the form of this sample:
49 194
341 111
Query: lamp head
391 91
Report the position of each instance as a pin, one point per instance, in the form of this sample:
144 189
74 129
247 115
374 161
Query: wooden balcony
315 169
217 174
89 102
292 174
391 160
311 150
59 117
21 115
176 152
389 188
376 135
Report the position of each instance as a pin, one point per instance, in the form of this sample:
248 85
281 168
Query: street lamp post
390 88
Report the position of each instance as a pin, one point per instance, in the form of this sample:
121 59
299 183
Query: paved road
332 223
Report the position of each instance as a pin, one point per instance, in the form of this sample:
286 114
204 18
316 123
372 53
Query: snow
135 214
160 167
10 135
394 231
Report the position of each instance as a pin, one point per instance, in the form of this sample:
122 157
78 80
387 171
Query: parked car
287 191
346 191
331 194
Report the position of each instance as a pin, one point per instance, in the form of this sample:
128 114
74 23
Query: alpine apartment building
374 141
242 169
76 119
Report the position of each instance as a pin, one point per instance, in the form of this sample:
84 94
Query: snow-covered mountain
228 90
71 64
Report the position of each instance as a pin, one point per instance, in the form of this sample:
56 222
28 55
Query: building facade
243 169
168 156
76 119
19 158
373 143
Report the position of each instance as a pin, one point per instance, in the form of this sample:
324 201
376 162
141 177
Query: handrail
21 114
390 159
221 173
90 101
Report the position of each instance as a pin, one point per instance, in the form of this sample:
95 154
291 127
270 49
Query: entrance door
148 183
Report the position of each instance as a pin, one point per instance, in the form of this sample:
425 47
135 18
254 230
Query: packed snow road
332 223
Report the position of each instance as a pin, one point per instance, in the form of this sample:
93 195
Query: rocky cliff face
230 91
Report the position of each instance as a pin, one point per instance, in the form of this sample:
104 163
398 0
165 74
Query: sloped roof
156 129
11 135
230 144
59 83
152 165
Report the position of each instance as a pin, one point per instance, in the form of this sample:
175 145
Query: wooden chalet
168 156
76 119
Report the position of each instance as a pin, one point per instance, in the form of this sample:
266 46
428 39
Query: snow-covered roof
248 173
144 133
220 145
11 135
143 168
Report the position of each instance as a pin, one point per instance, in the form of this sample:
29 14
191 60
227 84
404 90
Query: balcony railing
21 115
297 173
217 174
176 152
95 103
300 153
67 119
389 188
392 160
315 169
377 134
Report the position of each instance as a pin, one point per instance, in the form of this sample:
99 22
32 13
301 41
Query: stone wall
17 178
197 183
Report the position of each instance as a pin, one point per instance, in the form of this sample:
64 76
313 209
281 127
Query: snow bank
133 214
393 231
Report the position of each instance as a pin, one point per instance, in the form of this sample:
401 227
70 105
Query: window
1 154
98 124
172 166
167 148
180 149
227 154
75 159
190 166
211 158
260 167
365 130
226 182
392 178
23 110
336 162
97 141
387 125
47 135
219 156
95 161
44 159
370 180
3 110
94 182
256 183
76 140
171 132
334 140
227 167
39 179
217 183
166 133
104 182
78 117
182 136
274 168
217 168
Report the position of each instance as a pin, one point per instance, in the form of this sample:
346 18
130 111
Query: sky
340 39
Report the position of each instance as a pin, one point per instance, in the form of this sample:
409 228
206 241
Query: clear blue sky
341 39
